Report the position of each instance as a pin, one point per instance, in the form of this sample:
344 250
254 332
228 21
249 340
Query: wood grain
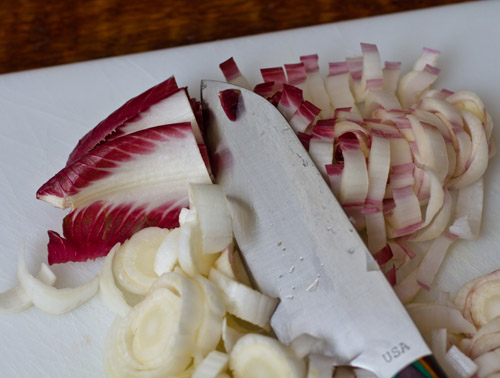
43 33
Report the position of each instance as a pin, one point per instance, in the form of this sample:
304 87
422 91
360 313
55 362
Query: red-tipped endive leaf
414 84
290 100
135 111
371 78
337 86
427 56
379 98
390 74
296 74
304 117
122 186
354 183
316 91
232 73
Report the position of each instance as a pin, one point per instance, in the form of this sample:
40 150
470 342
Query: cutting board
44 112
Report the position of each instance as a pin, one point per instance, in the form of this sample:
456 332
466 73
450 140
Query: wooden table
43 33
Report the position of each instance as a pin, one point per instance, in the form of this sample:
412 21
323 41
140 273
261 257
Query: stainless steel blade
298 243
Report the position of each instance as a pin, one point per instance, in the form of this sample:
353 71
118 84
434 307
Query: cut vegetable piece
320 366
485 301
429 316
16 300
406 217
468 211
354 183
305 344
304 117
316 86
229 99
167 255
215 222
213 364
338 88
158 105
433 258
191 258
432 153
414 83
49 299
232 73
478 161
290 100
321 152
134 263
379 98
262 356
242 301
427 56
230 335
488 364
157 337
390 74
214 309
122 186
457 364
111 295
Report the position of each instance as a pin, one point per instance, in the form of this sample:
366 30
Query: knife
300 247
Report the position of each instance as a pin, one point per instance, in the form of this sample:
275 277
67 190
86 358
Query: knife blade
299 245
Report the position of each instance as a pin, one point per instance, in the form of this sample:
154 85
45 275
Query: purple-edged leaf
123 185
162 104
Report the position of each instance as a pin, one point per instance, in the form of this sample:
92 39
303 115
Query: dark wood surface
49 32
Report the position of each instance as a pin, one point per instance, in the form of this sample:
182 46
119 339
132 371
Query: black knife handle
425 367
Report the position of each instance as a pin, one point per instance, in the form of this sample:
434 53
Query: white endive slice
242 301
485 302
320 366
430 316
50 299
488 363
215 222
166 256
456 364
262 356
212 365
133 265
111 295
468 211
306 344
191 257
157 337
438 224
223 265
230 335
16 300
478 161
210 329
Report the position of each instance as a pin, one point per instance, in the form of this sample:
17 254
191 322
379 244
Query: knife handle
425 367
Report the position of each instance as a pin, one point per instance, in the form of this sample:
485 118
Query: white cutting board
44 112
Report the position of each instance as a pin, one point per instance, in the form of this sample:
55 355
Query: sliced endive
263 356
50 299
16 300
134 262
157 337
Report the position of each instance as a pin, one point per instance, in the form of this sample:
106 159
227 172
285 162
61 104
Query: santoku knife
299 245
